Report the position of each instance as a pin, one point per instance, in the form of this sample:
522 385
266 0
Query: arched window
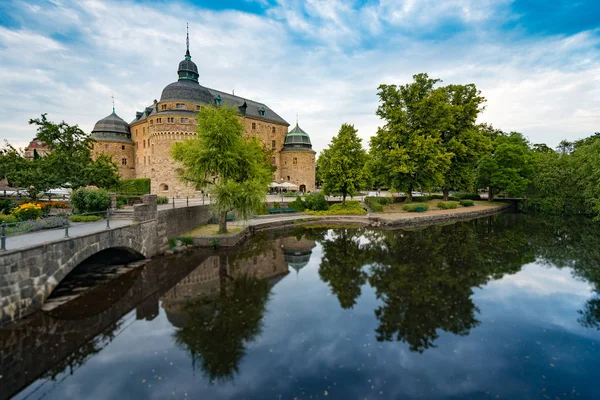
295 161
273 161
273 144
163 187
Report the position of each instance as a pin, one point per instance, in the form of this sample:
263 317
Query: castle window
163 106
288 178
273 144
151 122
273 161
295 161
180 106
184 120
144 143
106 146
144 160
254 125
158 120
122 147
197 108
273 130
144 130
163 187
123 161
218 100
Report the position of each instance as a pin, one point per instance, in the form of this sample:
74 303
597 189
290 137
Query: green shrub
350 208
85 218
316 202
162 200
447 205
384 200
418 207
373 204
9 219
398 199
6 205
466 196
276 205
421 199
467 203
86 200
27 211
298 204
134 186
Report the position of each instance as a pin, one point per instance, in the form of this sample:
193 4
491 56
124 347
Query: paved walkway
49 235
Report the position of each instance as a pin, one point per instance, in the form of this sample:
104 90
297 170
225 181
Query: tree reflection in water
217 329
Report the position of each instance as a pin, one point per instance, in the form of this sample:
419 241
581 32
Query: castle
141 148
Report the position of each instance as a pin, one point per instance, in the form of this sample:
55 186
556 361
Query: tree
233 168
101 172
342 164
407 151
34 175
463 138
586 164
508 168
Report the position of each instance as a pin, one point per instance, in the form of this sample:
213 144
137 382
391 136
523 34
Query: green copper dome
297 138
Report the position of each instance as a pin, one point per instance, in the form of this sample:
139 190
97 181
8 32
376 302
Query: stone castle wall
123 154
298 167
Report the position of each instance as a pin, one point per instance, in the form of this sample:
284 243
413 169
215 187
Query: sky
537 62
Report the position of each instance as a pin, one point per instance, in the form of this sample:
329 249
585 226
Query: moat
499 307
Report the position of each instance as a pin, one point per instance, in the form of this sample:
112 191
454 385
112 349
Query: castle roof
112 128
297 139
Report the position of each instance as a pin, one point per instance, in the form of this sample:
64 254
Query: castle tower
113 139
298 160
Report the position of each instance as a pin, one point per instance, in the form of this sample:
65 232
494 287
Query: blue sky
537 62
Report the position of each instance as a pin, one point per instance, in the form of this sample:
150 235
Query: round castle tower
298 160
114 139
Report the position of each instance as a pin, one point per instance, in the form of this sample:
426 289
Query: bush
85 218
90 200
467 203
27 211
384 200
162 200
466 196
298 204
350 208
6 205
447 205
9 219
415 207
276 204
373 204
316 202
134 186
421 199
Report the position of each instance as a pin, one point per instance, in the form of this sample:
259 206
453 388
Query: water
503 307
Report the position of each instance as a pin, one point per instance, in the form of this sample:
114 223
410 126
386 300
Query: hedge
373 204
466 196
85 218
162 200
467 203
350 208
134 186
418 207
447 205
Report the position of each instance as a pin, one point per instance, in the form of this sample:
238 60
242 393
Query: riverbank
386 220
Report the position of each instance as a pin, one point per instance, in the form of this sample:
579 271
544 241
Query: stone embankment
380 221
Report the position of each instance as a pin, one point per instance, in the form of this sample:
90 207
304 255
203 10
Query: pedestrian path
49 235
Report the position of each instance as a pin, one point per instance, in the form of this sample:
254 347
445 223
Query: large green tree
234 169
407 150
463 138
508 168
586 164
342 164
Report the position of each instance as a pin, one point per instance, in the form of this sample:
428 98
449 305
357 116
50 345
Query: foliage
162 200
236 170
33 225
586 163
27 211
276 205
447 205
342 164
36 175
416 207
134 186
508 168
316 202
467 203
350 208
9 219
408 152
374 204
384 200
464 139
86 200
298 204
85 218
6 205
466 196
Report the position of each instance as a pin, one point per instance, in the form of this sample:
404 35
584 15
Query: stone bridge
29 275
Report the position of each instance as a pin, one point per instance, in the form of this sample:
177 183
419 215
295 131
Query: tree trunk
223 222
409 196
490 194
344 198
446 193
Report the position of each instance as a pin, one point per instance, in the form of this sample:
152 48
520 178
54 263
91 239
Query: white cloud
321 59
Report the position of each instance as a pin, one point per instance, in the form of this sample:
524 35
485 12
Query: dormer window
163 106
180 106
218 101
261 112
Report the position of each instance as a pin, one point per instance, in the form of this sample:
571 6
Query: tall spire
113 101
296 119
187 41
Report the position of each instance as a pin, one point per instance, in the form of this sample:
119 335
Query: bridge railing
50 222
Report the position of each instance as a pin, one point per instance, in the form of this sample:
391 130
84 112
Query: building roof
297 139
36 143
112 128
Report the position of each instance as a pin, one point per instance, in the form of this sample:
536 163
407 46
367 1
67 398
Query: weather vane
113 101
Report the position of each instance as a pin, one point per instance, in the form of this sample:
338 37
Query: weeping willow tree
235 170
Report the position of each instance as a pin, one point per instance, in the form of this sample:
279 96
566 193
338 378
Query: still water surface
502 307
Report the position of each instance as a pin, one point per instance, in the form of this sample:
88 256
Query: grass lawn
397 208
211 230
